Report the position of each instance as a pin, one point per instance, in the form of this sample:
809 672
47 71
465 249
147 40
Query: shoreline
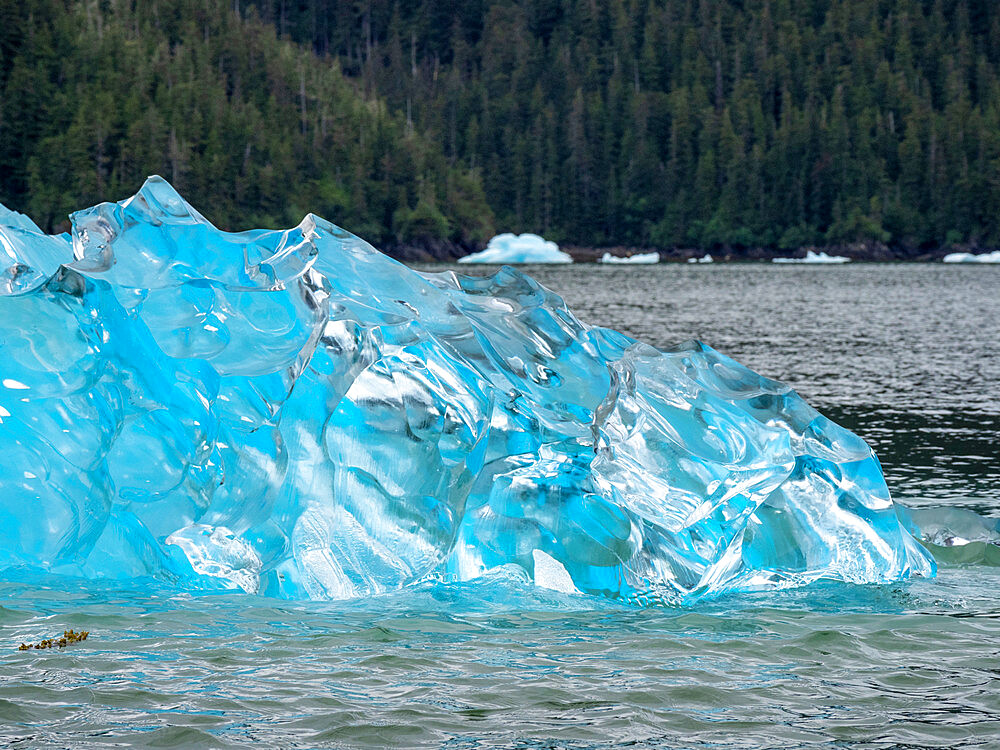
439 251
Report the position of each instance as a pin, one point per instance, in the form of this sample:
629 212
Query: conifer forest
708 124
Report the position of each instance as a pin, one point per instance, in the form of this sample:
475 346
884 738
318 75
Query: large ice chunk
295 414
518 248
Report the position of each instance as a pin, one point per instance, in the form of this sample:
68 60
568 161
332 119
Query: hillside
717 124
709 123
252 130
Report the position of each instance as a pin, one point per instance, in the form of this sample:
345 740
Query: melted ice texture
295 414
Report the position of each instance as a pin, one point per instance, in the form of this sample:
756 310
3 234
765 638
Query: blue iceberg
295 414
518 248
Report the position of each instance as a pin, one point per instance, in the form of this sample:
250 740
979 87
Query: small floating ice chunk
518 248
637 259
993 257
706 258
813 257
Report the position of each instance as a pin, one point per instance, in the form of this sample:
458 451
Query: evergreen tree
716 123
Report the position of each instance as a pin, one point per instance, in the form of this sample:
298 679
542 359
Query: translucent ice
518 248
295 414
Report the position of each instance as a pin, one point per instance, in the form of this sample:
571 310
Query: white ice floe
638 258
518 248
993 257
706 258
812 257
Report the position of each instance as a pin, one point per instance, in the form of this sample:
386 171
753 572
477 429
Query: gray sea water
906 355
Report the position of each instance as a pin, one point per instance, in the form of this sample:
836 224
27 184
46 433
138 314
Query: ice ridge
295 414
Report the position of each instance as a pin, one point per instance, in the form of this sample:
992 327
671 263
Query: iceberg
706 258
814 257
294 414
993 257
518 248
644 259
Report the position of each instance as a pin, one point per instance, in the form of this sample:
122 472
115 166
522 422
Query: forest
708 124
253 130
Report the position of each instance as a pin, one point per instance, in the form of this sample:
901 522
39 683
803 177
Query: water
906 355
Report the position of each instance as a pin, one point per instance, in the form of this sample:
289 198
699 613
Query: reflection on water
905 355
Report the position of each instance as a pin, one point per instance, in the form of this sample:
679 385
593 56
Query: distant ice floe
706 258
518 248
993 257
812 257
637 259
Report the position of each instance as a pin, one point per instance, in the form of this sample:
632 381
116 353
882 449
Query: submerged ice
295 414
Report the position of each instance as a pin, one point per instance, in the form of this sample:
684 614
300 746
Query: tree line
253 130
666 123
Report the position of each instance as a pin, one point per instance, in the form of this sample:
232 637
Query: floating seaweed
68 637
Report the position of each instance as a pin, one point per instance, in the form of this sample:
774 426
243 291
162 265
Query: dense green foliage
645 122
705 122
255 131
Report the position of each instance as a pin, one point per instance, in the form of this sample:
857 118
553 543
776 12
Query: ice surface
644 259
295 414
27 256
814 257
993 257
518 248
